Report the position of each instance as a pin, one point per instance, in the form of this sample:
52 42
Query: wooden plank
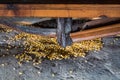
96 33
60 10
61 1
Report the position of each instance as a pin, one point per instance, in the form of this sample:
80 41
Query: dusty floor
100 65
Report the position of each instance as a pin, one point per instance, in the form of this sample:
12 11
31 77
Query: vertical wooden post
63 31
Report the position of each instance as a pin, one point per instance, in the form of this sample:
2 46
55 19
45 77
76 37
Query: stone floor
99 65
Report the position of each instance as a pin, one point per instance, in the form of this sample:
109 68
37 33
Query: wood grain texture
61 1
60 10
96 33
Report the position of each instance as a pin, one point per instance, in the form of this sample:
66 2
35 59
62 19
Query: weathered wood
63 31
100 22
83 35
60 10
96 33
34 30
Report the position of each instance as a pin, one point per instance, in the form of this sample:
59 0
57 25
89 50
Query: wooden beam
60 1
96 33
60 10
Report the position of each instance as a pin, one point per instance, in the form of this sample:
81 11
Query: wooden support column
63 31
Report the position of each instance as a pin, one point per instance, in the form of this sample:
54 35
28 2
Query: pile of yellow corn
37 47
4 28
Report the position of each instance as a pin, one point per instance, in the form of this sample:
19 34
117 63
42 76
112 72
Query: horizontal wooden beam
60 1
96 33
60 10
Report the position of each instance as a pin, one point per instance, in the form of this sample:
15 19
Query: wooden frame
60 10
